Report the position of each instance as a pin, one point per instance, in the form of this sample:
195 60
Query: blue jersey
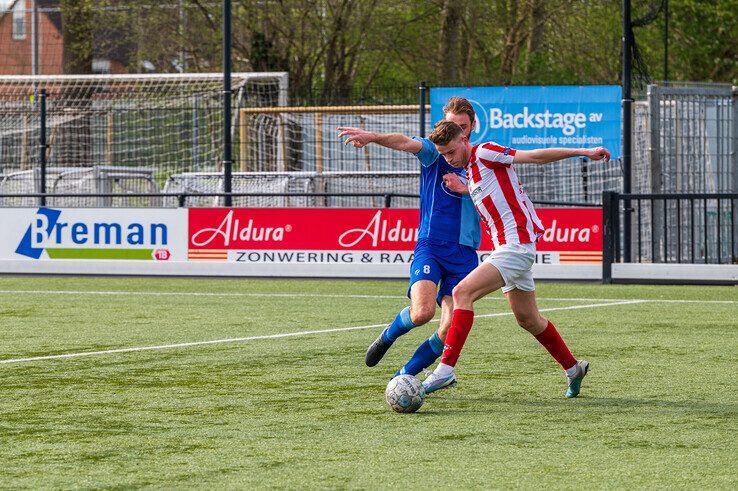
444 215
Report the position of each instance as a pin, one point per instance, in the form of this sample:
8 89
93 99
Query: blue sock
424 356
401 325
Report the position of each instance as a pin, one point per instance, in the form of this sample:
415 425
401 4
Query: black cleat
376 351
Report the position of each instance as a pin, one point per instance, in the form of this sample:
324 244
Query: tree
77 27
73 138
704 40
334 48
448 45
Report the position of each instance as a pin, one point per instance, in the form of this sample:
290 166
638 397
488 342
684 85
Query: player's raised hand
453 182
598 153
356 136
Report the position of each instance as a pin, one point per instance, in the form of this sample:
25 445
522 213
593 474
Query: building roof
49 8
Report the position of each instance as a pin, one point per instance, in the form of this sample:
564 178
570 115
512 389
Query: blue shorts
443 263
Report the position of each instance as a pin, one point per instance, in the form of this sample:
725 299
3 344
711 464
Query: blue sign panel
572 116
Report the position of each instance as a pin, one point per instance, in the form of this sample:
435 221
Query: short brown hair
460 105
445 132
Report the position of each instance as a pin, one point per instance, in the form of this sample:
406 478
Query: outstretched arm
547 155
396 141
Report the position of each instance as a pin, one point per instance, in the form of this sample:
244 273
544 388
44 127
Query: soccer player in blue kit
448 238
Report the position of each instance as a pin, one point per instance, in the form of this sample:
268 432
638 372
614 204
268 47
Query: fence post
585 178
42 147
609 233
627 106
656 164
227 158
422 90
734 163
654 130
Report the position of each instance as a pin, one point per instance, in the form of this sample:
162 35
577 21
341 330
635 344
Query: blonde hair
445 132
460 105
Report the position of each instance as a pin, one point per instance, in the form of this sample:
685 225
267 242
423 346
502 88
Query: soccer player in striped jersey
514 226
448 238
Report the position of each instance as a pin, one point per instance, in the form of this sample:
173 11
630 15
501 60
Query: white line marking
199 294
330 295
270 336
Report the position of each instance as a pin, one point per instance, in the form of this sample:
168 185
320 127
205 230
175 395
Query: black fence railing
699 228
355 96
130 141
182 200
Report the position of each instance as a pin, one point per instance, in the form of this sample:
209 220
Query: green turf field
659 408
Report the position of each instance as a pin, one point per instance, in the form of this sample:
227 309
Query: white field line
271 336
326 295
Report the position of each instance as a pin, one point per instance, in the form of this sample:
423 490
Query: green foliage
332 47
704 41
77 26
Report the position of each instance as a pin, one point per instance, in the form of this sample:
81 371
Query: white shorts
514 262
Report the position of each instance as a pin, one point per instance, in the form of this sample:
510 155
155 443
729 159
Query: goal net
330 182
279 139
78 183
168 123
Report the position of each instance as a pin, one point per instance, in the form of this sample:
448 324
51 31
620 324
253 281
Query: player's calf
426 354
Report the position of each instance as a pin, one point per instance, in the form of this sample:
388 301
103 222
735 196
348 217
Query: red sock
461 324
551 340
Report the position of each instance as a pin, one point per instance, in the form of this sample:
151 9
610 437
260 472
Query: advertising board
93 233
528 117
361 236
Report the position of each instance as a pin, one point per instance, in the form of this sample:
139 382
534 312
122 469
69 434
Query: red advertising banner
335 235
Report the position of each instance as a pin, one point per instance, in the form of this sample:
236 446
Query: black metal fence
200 200
697 228
255 200
373 95
142 134
115 134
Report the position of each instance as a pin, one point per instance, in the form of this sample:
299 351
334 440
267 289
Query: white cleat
575 382
435 382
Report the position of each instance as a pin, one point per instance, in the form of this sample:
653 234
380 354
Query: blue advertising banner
530 117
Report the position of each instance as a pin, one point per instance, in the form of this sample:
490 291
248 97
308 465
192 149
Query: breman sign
48 233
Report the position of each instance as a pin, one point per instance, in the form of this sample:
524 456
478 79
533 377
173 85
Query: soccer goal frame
167 122
318 113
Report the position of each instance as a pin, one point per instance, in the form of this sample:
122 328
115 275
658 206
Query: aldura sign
75 233
546 116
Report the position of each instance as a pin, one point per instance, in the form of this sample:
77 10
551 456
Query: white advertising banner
93 234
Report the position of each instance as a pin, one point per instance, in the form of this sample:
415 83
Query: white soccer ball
405 394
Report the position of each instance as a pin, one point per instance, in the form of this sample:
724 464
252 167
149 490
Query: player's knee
527 323
422 314
530 323
460 294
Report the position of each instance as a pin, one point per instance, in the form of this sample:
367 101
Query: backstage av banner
376 236
525 118
49 233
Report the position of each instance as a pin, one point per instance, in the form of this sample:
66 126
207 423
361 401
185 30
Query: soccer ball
405 394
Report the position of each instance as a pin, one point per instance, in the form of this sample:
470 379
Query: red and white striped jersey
499 197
